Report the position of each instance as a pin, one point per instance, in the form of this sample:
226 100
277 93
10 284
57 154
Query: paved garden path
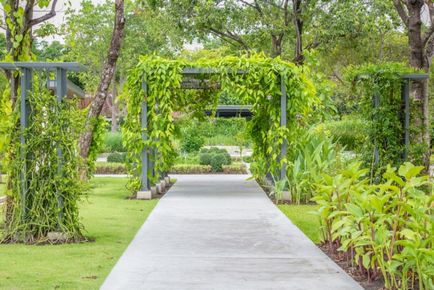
222 232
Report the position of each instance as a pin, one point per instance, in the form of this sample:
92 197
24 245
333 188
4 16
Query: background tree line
327 35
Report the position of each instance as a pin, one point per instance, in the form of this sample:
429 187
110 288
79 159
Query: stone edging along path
222 232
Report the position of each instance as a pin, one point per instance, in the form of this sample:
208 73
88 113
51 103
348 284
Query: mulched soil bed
361 278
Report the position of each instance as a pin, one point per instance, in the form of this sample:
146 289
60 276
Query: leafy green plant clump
215 157
113 142
192 141
350 132
116 157
44 189
313 155
386 229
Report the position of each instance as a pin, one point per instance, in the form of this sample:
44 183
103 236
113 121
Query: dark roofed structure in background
230 111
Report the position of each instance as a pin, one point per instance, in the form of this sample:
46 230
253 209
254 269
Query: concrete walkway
222 232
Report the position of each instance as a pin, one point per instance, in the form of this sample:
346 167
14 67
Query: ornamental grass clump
46 203
385 229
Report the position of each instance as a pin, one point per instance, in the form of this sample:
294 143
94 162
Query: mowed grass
307 222
107 216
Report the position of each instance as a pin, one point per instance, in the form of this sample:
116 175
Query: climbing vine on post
256 80
42 160
379 88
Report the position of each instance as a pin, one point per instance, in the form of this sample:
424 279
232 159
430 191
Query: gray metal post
60 93
406 99
26 85
144 123
376 100
283 123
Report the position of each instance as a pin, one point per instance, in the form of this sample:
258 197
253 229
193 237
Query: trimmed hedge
110 168
190 169
120 168
236 168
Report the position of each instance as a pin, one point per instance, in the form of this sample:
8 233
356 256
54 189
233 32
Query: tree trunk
298 24
276 41
106 77
419 60
115 126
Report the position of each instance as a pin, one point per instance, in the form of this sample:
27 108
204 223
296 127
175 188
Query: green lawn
107 216
308 223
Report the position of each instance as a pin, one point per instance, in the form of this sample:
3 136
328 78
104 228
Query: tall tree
421 43
249 25
106 78
18 23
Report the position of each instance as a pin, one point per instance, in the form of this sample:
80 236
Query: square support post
405 93
60 94
376 103
283 123
26 86
145 156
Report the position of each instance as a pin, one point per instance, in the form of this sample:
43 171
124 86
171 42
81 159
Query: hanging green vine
52 125
255 80
385 121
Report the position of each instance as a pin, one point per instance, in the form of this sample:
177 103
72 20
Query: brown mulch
361 278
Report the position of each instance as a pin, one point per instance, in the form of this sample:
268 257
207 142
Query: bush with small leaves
217 162
192 141
116 157
113 142
216 157
205 158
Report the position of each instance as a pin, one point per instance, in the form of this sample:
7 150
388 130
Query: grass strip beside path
108 217
307 222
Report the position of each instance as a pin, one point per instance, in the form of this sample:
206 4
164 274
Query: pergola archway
147 165
261 82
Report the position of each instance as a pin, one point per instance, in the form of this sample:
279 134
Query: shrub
192 141
113 142
248 159
110 168
190 169
236 168
350 132
205 158
216 157
217 162
116 157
